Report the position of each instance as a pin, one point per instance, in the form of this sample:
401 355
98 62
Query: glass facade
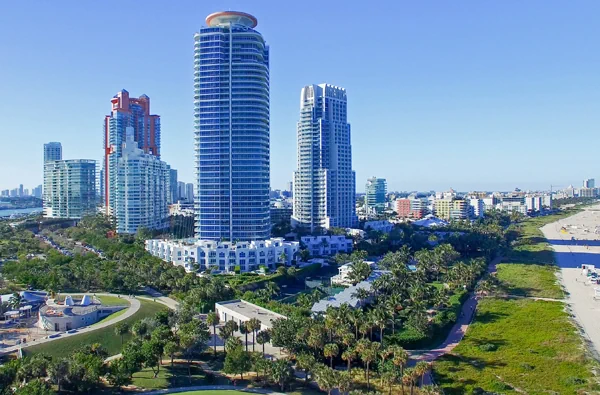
375 192
69 188
231 129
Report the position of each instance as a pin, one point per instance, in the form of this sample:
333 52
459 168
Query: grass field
105 336
530 280
172 377
517 344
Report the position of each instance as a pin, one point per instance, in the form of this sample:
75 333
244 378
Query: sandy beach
575 242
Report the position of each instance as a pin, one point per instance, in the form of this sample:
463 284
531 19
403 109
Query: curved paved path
213 388
133 308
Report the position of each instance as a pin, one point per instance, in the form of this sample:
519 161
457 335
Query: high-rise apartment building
324 182
231 129
451 209
37 192
375 193
180 190
52 151
126 112
189 192
69 188
140 195
173 192
589 183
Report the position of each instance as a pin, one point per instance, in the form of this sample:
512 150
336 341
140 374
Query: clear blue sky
463 94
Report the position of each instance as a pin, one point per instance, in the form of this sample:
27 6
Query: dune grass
530 280
517 346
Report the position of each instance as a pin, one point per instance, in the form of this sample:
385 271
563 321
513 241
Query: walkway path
213 387
458 330
133 308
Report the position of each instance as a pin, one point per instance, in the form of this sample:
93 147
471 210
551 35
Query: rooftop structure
241 311
348 295
73 313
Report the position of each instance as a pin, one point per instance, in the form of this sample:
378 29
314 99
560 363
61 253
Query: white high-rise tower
324 183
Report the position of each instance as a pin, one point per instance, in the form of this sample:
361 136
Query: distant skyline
470 95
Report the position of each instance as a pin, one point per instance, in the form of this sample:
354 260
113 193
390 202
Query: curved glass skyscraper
231 128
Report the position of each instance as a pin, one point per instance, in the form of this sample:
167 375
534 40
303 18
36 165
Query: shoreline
569 255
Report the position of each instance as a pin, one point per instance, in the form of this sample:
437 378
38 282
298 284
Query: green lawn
524 344
530 280
110 317
173 377
105 336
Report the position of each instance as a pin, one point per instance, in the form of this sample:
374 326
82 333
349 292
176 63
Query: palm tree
344 382
400 358
421 369
263 337
305 362
409 379
15 301
281 372
360 271
380 319
121 329
430 390
212 319
356 317
368 353
331 350
349 355
244 331
272 289
326 379
254 325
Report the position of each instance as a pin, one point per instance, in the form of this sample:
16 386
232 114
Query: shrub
488 347
526 366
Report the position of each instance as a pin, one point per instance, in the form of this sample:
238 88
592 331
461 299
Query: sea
19 211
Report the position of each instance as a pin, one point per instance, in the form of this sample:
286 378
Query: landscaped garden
104 336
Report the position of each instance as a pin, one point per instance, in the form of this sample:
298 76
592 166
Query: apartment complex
451 209
139 198
410 208
231 129
324 182
225 256
375 194
69 188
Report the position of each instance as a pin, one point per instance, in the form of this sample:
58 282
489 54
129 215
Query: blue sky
463 94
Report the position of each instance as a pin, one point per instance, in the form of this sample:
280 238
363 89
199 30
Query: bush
526 366
488 347
409 338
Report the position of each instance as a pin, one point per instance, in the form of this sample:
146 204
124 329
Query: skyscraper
127 112
69 188
231 129
189 192
180 190
375 191
324 183
140 196
173 193
52 151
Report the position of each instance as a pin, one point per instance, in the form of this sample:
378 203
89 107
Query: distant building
173 190
225 256
588 192
476 207
69 188
589 183
327 245
375 193
181 193
21 191
52 151
140 195
290 188
451 209
189 192
281 213
379 226
410 208
343 276
513 204
324 182
128 115
185 209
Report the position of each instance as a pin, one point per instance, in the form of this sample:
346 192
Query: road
570 255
